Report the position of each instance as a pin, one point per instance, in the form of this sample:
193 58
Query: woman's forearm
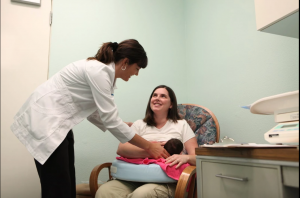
154 150
130 151
192 160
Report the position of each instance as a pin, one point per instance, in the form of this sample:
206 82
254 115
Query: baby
173 146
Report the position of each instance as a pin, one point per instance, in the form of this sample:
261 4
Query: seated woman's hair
174 146
173 112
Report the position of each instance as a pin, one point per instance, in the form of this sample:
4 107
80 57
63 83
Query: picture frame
32 2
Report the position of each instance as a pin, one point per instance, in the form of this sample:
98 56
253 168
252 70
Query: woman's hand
177 159
161 143
157 151
129 123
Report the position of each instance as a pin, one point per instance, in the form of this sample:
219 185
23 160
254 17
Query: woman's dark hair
172 114
113 52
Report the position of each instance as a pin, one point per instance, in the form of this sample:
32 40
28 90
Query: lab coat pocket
40 123
46 112
47 109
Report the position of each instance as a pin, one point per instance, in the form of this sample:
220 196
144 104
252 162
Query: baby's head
173 146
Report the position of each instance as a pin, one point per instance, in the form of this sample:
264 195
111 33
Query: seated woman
161 124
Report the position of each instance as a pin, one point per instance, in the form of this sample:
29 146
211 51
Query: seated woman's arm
130 151
190 147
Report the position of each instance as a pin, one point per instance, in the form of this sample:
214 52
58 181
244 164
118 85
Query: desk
247 172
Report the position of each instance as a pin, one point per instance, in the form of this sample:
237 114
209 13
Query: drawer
290 176
260 182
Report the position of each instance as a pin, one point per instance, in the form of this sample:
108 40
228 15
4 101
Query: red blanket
170 171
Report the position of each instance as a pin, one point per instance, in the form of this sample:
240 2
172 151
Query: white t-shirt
180 130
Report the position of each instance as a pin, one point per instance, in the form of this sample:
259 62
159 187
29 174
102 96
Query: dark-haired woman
161 123
83 89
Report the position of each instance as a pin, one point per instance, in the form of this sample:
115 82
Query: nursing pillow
139 172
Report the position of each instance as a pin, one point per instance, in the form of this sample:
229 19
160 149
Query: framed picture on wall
32 2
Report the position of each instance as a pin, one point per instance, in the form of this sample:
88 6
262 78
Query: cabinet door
279 17
269 12
290 176
261 182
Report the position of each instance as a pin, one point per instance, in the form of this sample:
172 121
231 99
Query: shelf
281 154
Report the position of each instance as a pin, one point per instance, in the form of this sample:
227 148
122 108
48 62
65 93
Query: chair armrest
186 180
94 177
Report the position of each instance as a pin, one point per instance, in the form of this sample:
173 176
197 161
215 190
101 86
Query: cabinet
278 17
247 173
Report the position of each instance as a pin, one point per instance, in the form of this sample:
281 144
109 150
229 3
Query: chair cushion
139 172
200 121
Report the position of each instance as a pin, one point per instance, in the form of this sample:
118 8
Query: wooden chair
207 130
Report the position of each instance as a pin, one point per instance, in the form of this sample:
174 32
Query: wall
209 52
230 64
25 34
79 29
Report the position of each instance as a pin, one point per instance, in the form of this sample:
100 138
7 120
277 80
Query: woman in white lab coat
83 89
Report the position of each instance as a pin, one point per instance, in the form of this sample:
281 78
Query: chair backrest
202 121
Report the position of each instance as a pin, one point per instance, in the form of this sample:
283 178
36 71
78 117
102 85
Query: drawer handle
234 178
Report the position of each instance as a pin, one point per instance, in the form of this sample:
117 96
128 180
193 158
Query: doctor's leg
57 174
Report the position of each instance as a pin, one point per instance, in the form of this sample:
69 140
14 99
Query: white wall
25 34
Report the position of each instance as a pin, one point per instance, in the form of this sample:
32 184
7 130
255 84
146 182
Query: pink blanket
170 171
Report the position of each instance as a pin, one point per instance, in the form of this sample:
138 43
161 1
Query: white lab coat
83 89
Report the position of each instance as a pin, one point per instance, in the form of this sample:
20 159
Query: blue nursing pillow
139 172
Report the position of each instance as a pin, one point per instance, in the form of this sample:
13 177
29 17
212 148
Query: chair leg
192 188
195 192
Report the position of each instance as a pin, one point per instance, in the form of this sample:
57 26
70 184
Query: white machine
285 108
